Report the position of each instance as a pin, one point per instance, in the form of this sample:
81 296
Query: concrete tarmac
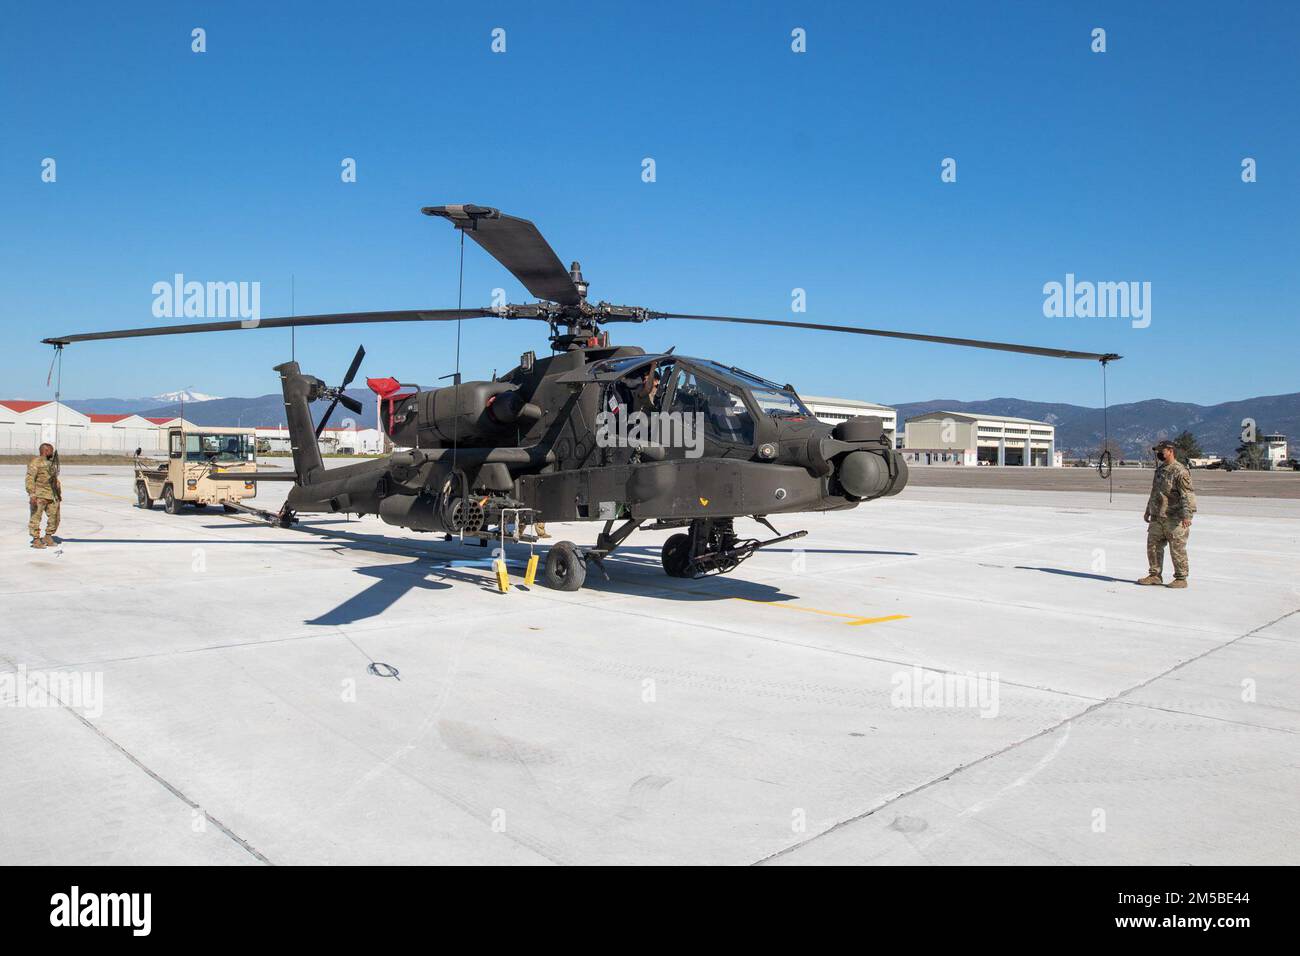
1125 480
955 675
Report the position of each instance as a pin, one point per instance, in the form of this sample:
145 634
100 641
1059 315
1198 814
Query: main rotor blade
340 318
356 364
517 245
351 404
913 336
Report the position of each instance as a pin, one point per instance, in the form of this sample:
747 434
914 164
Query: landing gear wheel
142 499
676 556
565 569
170 504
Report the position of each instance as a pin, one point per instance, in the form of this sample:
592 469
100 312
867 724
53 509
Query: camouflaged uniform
1172 500
43 485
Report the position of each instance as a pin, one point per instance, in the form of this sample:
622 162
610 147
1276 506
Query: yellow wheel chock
522 518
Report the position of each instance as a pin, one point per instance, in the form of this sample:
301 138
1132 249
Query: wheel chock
530 573
503 576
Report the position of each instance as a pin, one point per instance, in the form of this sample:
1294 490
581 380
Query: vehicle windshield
217 447
771 398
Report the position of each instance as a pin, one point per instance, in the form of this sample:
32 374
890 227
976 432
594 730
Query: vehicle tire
170 504
676 556
142 499
564 570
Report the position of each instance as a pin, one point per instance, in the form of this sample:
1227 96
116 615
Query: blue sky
775 170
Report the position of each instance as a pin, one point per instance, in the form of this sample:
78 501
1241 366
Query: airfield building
333 441
25 425
961 438
1274 448
835 410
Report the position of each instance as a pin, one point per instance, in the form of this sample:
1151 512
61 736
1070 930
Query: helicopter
591 432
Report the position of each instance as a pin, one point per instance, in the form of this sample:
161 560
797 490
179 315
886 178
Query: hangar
834 410
333 441
25 424
961 438
123 434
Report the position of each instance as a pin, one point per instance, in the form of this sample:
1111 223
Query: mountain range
1133 426
265 411
127 406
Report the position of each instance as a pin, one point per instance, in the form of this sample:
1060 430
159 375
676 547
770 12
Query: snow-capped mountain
184 395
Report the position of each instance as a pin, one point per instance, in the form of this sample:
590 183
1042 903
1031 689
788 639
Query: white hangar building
333 441
961 438
26 425
834 410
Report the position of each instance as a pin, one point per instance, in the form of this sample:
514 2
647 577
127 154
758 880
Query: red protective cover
387 389
384 387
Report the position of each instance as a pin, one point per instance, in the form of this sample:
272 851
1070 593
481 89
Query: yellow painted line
877 620
853 619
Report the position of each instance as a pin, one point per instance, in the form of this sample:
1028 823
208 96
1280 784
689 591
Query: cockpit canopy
728 401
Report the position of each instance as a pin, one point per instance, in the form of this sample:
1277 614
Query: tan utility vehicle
192 472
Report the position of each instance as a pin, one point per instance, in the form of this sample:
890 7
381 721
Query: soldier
1169 517
44 492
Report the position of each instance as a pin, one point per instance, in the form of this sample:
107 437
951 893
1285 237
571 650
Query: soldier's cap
1163 443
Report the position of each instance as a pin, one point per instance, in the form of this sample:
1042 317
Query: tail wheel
676 556
170 504
565 570
142 499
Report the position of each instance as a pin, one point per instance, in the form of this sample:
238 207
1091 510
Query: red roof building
20 406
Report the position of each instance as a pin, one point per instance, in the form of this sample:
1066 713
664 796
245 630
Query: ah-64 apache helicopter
524 447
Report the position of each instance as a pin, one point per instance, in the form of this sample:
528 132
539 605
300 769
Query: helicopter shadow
1077 574
651 552
447 560
392 582
634 573
898 554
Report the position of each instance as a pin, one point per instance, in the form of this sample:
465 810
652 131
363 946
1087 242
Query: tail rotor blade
352 369
326 417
